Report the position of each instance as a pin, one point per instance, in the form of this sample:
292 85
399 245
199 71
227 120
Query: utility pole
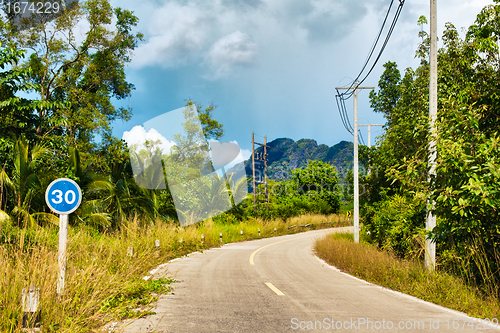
430 223
260 157
253 170
265 171
356 163
369 132
370 139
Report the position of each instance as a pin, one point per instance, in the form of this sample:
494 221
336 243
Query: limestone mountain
286 154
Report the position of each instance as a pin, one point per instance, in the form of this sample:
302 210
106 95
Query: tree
312 189
465 188
212 129
85 74
113 198
16 112
26 185
389 91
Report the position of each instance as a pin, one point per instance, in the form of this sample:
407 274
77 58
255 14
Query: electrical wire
343 113
361 137
342 97
374 44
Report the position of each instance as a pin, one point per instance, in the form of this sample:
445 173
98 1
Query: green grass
103 284
135 299
383 268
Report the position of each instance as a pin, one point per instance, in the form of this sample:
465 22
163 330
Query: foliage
76 80
212 129
312 189
396 223
26 186
465 188
384 268
114 198
135 299
16 112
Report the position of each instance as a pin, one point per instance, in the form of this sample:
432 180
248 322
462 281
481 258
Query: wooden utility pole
253 171
265 171
430 223
263 158
356 163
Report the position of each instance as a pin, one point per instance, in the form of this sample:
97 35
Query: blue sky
271 66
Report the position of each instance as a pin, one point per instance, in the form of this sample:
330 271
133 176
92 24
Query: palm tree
26 185
116 197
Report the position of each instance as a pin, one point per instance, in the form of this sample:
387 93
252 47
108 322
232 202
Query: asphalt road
278 285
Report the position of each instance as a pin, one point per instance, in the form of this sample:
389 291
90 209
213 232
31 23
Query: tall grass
383 268
476 263
102 282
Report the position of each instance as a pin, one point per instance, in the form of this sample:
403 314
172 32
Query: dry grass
102 282
381 267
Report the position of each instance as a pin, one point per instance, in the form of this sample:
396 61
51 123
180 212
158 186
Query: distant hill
286 155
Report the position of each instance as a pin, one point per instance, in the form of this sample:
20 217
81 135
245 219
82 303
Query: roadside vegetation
396 192
62 127
465 187
103 283
409 276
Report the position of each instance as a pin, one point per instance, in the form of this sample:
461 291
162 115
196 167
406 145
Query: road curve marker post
63 196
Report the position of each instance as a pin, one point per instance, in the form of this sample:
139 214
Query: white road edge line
454 312
273 288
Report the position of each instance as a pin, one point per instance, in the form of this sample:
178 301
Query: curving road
278 285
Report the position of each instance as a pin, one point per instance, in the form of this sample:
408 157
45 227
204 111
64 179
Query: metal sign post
63 196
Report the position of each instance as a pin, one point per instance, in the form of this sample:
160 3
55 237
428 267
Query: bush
397 223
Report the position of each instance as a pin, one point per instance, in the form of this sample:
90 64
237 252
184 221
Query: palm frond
100 184
5 179
4 217
24 215
98 219
45 218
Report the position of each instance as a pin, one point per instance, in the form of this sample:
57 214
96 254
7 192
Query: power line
342 97
361 137
350 91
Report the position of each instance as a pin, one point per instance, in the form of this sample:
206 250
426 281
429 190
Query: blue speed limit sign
63 196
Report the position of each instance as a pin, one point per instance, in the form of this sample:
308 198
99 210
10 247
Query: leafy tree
114 198
16 112
85 74
312 189
185 167
348 190
465 187
395 223
26 186
212 129
389 91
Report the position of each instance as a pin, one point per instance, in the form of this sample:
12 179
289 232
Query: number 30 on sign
63 196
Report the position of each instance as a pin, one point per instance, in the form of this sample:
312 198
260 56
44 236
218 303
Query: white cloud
177 33
242 156
138 135
236 48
